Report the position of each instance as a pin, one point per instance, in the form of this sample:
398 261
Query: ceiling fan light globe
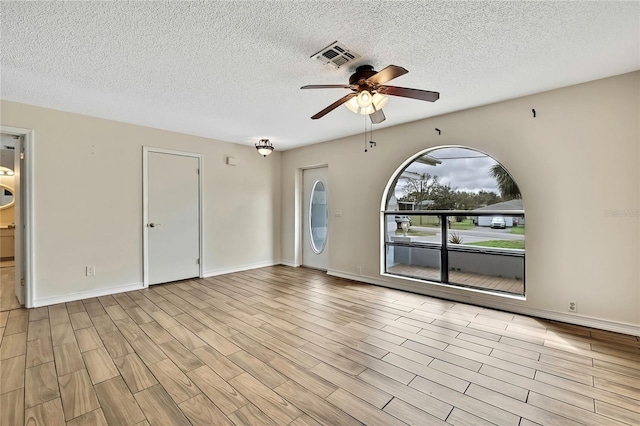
379 101
352 104
367 110
364 99
375 103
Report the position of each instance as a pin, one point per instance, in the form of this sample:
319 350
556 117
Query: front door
315 218
172 216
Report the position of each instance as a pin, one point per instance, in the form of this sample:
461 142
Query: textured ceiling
233 70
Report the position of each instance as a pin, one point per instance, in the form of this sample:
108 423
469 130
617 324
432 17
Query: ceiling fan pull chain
365 133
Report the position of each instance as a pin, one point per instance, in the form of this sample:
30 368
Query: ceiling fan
368 87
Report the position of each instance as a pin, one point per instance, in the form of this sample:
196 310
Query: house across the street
510 221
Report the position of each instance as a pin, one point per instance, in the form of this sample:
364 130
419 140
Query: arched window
455 216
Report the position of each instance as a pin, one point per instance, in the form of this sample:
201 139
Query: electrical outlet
91 271
573 306
359 270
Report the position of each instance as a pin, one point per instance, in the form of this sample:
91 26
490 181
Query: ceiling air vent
336 55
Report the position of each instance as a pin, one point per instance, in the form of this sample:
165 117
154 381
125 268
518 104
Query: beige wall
576 162
88 200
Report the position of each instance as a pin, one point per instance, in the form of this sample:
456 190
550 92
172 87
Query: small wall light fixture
264 147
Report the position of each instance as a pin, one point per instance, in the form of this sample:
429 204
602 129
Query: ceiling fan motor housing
363 72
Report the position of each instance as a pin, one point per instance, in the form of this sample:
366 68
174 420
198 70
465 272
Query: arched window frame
452 257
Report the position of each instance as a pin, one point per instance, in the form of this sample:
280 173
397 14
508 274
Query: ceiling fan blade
377 117
387 74
327 86
422 95
333 106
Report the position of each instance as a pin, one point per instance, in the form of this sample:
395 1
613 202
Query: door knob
153 225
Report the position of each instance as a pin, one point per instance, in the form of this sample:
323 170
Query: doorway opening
15 218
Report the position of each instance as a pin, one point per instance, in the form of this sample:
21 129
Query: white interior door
19 255
173 217
315 218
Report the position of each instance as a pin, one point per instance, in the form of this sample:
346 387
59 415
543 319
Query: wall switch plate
91 271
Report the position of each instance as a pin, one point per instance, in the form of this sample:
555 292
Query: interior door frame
299 261
25 224
146 150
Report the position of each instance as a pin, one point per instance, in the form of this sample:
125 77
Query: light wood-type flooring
8 299
292 346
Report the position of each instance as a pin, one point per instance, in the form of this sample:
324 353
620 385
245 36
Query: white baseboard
287 263
509 304
239 268
46 301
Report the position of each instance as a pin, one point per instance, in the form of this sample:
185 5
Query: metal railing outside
417 256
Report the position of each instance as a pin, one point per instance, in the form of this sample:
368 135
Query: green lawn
519 230
433 222
413 233
464 225
511 244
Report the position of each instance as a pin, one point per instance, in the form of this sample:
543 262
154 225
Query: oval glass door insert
318 215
